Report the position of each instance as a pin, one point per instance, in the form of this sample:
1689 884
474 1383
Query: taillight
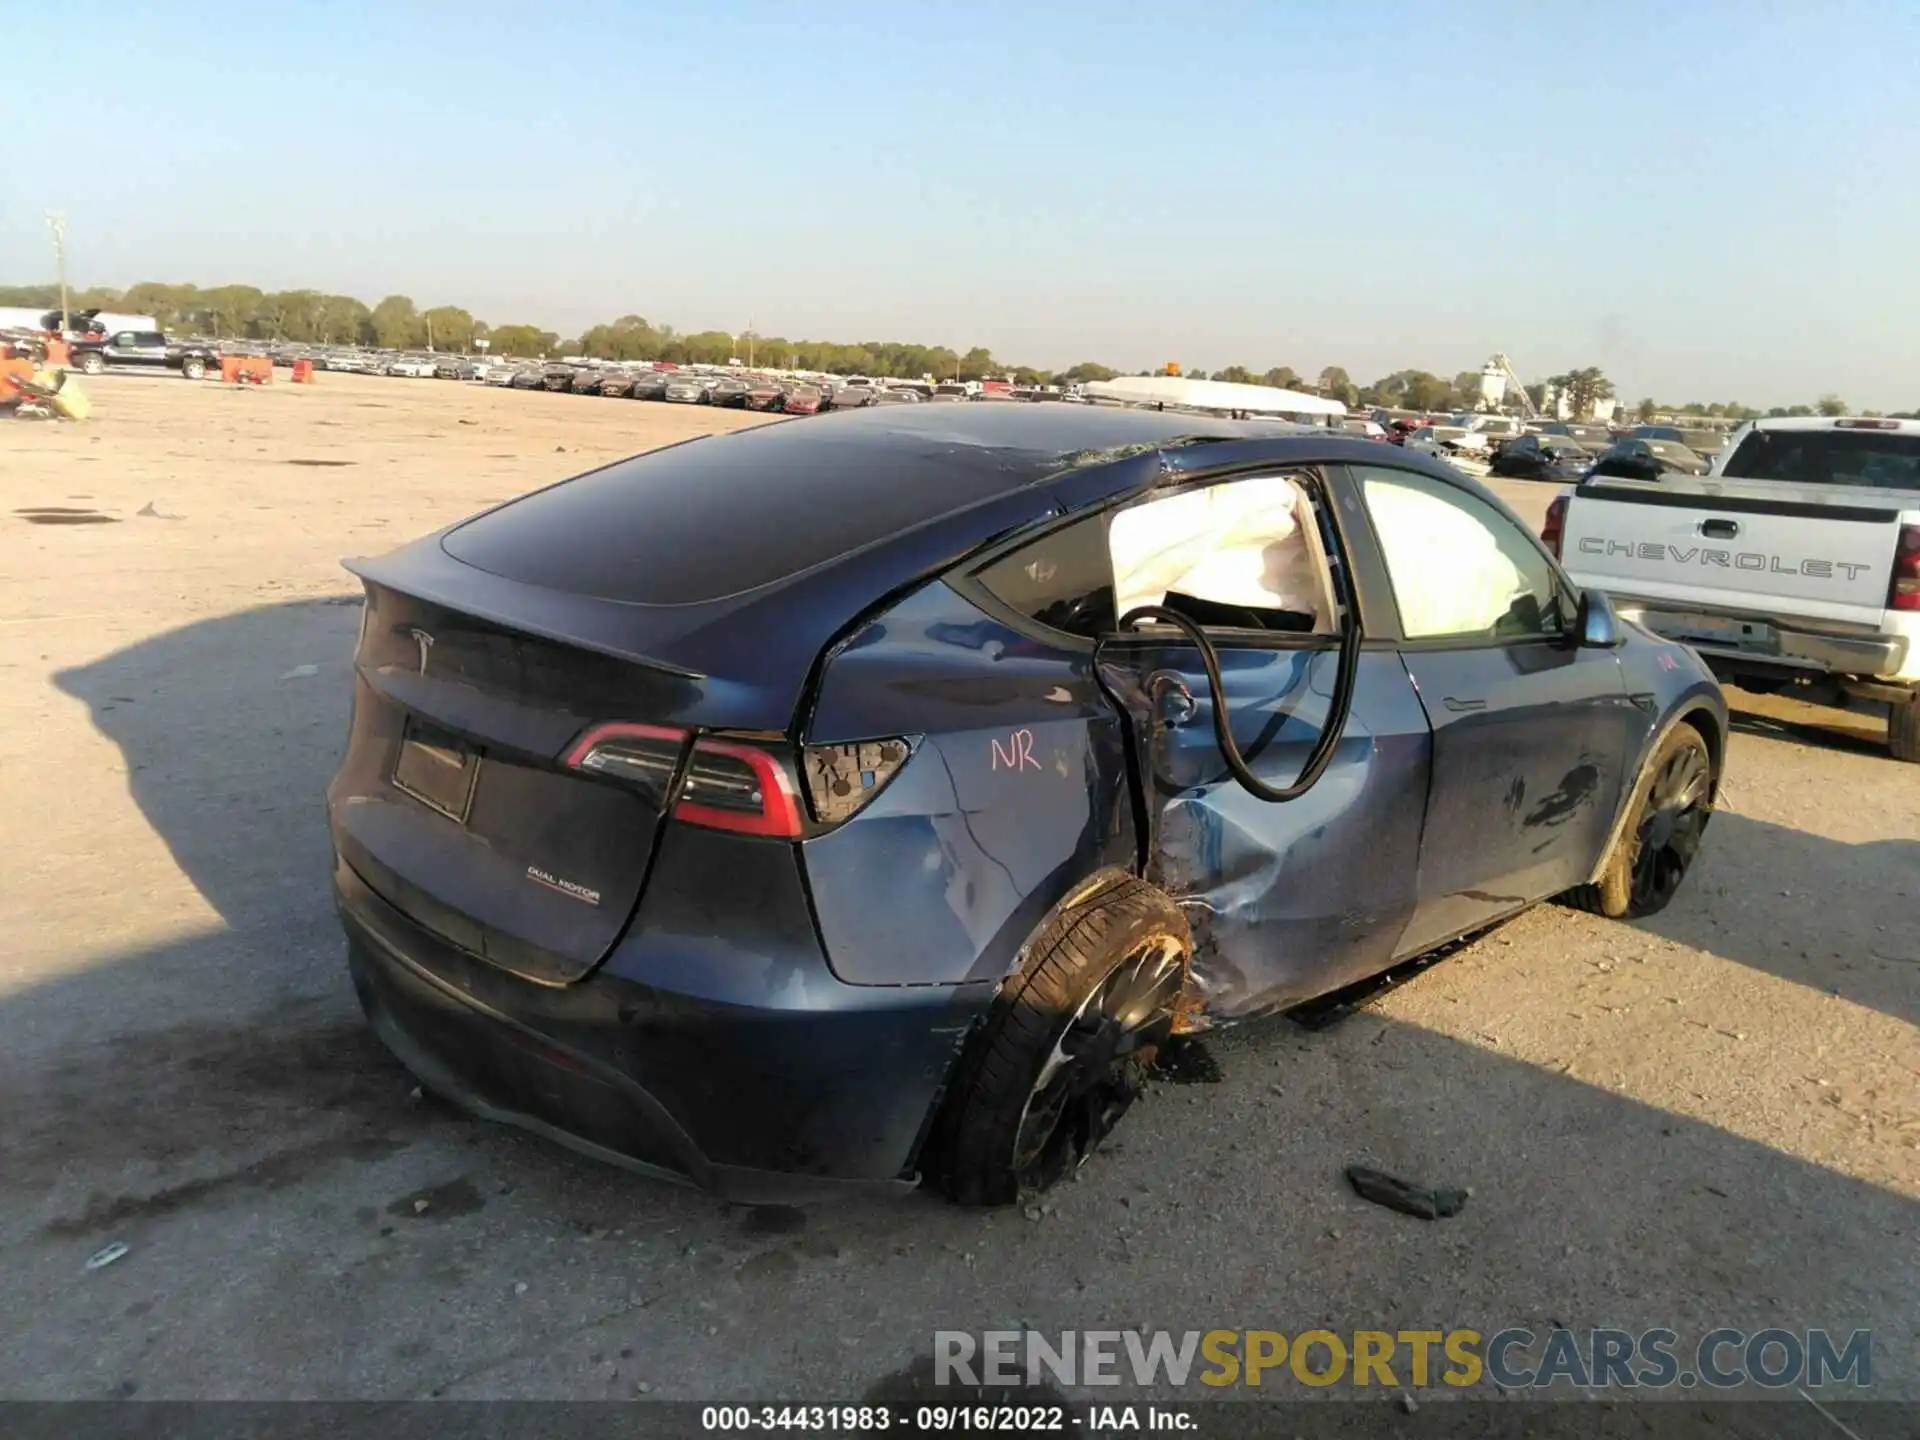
1554 528
738 787
1904 592
643 755
843 779
732 785
727 786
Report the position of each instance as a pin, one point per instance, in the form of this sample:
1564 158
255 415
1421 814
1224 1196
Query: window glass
1243 554
1063 580
1875 458
1458 566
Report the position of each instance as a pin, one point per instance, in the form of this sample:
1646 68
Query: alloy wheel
1673 820
1098 1064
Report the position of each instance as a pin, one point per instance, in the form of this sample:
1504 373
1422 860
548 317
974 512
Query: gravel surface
1711 1118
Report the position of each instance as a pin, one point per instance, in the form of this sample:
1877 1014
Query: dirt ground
1712 1118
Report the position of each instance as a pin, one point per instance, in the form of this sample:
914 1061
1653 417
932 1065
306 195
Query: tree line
397 323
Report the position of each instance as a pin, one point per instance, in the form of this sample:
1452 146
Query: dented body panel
1016 793
1286 902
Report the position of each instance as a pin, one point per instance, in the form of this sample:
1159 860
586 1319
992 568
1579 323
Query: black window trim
965 578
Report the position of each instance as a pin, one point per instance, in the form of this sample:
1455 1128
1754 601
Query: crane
1501 367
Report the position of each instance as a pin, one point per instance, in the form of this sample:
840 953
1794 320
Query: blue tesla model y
872 798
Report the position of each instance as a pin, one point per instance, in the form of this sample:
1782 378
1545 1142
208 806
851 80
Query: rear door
1532 733
1288 900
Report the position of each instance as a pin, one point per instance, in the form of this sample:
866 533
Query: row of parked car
777 394
1556 450
731 387
699 385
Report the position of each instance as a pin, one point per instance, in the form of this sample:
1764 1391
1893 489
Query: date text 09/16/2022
947 1419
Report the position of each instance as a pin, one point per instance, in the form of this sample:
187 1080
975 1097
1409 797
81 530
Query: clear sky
1710 199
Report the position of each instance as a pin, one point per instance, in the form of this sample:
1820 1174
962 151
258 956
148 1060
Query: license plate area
437 770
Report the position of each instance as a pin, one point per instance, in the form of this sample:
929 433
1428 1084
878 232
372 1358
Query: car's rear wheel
1657 845
1903 730
193 368
1066 1050
92 363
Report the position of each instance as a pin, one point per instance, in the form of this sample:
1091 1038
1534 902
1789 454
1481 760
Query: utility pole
57 223
751 337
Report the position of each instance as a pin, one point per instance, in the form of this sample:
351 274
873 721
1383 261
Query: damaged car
876 801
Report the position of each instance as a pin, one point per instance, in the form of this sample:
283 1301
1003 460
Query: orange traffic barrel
303 372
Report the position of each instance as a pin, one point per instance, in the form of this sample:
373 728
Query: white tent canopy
1211 395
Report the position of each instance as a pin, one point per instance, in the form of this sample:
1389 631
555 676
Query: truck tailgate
1720 545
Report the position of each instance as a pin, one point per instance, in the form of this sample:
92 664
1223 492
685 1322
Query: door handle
1719 529
1459 706
1172 699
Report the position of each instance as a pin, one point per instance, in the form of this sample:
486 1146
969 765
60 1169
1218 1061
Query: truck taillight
1904 593
1554 528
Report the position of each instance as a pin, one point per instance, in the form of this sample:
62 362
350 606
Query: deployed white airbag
1450 575
1242 543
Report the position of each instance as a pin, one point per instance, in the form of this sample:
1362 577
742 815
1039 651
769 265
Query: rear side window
1877 459
1063 580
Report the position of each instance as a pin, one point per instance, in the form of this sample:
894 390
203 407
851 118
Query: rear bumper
796 1086
1770 640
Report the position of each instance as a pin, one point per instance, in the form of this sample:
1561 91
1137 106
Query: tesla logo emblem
1018 753
425 642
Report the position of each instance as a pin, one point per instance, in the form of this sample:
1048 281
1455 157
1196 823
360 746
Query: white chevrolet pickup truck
1793 565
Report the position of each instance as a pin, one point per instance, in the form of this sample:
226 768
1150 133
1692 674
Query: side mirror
1599 626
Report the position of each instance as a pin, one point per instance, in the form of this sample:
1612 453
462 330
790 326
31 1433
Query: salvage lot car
706 813
1541 457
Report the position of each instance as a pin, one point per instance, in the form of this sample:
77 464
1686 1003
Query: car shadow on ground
215 1103
1766 895
1860 731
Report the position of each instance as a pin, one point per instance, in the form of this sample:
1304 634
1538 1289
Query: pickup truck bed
1794 566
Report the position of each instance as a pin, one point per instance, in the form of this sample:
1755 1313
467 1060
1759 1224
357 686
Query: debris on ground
1186 1060
301 672
1404 1196
102 1258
